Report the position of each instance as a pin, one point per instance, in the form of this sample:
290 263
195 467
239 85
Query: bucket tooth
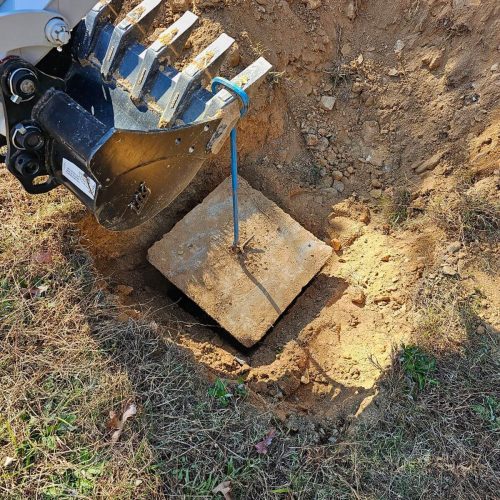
102 12
226 106
203 68
167 47
132 27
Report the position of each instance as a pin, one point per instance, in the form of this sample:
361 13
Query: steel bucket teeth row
147 75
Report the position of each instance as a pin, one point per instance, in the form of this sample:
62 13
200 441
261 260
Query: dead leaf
113 422
224 488
262 446
33 292
43 257
119 424
8 461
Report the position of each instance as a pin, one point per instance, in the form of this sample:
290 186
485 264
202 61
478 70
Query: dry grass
467 217
396 207
66 361
447 315
437 443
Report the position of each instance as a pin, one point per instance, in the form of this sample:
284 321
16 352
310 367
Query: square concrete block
244 292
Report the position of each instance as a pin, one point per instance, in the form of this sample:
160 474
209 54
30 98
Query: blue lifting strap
245 100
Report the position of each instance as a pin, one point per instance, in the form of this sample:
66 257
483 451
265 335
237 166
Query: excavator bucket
120 125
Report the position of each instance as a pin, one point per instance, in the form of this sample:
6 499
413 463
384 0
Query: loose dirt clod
244 292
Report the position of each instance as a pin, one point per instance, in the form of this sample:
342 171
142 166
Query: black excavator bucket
123 129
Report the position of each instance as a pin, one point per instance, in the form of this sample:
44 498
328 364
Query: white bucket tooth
131 27
169 44
167 47
202 69
102 12
226 106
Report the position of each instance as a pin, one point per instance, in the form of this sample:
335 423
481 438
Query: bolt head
64 36
27 86
58 32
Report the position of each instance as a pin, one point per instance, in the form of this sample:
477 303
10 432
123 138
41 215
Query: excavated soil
366 98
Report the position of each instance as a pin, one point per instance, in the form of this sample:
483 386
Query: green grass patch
419 368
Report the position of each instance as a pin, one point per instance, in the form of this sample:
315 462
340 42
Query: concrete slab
245 293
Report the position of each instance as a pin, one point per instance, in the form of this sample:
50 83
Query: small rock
357 87
351 11
180 5
339 186
376 157
337 175
305 379
433 60
393 72
327 102
481 330
429 164
399 46
240 361
383 297
376 193
386 258
376 183
494 68
336 244
313 4
449 270
323 144
235 56
358 297
364 217
454 247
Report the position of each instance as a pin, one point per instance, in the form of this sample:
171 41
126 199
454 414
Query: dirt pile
376 124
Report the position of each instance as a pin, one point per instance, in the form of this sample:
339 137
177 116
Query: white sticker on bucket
79 178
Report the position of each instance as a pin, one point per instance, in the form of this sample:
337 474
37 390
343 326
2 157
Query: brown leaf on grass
43 257
262 446
33 292
118 424
114 422
225 489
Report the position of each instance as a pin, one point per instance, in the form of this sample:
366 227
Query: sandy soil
366 98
